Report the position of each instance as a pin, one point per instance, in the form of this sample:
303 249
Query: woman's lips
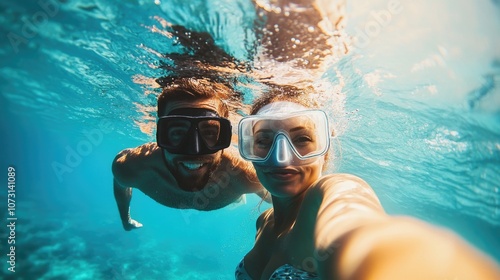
282 173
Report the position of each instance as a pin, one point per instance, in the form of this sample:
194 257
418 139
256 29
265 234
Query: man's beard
192 183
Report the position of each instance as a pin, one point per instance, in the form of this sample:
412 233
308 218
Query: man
192 165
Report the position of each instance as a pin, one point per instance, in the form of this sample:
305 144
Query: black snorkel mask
193 131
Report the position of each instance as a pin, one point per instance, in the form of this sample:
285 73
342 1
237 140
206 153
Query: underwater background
415 101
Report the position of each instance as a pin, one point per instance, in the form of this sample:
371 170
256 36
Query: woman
333 226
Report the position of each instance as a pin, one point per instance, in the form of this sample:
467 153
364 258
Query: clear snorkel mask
282 134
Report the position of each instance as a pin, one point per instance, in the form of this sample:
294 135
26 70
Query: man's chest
217 193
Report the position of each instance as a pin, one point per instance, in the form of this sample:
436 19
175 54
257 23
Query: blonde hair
289 93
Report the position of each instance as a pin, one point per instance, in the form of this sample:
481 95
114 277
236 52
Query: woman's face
288 180
287 144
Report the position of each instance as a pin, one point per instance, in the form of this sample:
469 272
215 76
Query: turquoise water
416 103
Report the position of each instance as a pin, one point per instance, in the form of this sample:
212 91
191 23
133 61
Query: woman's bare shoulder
337 194
264 218
341 182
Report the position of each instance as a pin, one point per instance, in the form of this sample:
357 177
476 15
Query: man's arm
123 194
123 197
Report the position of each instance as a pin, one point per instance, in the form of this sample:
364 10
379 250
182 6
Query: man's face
192 172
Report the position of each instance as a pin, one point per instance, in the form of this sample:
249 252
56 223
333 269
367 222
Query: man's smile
192 165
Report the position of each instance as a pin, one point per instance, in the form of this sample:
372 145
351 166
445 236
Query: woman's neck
285 212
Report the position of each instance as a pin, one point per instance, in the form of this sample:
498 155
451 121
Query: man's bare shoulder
232 156
129 162
240 171
231 153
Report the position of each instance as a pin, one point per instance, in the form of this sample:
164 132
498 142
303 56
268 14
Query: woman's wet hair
192 89
290 93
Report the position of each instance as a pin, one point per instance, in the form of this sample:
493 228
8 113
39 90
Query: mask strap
280 107
193 112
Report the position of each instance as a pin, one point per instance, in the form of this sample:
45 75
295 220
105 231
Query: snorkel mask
282 134
193 131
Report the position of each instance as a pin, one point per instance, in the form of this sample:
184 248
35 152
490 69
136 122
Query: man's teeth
192 166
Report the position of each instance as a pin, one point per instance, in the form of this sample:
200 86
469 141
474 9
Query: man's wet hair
191 89
203 70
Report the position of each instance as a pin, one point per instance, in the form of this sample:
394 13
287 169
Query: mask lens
262 143
176 131
306 132
209 130
304 135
